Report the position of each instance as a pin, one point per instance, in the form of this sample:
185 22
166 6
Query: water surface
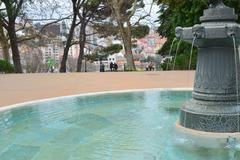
122 126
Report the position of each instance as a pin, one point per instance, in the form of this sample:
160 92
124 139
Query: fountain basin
120 126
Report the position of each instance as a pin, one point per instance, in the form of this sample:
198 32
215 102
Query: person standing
150 66
111 66
102 67
115 67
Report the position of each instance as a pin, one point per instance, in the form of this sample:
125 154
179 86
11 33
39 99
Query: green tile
54 152
83 151
36 137
90 121
19 152
71 136
4 145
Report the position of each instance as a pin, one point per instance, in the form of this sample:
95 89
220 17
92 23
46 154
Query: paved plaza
27 87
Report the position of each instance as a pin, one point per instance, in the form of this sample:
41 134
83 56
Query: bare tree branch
41 30
48 19
23 26
38 35
5 23
133 11
91 34
145 16
27 38
19 6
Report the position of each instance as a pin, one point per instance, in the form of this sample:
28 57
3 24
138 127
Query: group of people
150 67
113 66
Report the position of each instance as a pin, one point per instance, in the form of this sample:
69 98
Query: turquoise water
123 126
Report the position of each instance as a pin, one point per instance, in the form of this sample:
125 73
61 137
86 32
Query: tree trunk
129 57
68 45
127 41
82 41
4 43
14 47
126 35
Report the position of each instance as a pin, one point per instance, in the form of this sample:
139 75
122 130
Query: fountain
214 106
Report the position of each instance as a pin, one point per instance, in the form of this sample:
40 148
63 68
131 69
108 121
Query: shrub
6 67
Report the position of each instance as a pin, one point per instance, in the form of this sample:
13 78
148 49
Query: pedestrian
115 67
102 67
150 66
111 66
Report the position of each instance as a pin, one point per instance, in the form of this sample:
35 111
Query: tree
91 10
13 9
76 5
122 12
4 42
183 13
13 18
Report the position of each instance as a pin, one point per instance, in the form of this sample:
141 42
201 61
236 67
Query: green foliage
92 5
104 53
182 13
106 29
51 63
92 57
115 48
6 67
140 31
93 2
182 62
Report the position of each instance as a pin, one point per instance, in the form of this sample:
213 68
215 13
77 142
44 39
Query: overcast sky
151 19
43 10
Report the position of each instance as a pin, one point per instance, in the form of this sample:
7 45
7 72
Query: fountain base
215 135
209 139
220 117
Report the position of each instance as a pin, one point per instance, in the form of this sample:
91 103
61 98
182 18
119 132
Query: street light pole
85 60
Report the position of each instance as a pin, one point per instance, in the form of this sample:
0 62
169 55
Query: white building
112 58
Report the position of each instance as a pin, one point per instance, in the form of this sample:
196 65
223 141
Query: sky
154 16
155 9
43 11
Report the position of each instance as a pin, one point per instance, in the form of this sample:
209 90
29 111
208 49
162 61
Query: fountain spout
232 30
179 32
198 31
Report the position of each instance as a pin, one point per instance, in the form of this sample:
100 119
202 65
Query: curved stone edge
19 105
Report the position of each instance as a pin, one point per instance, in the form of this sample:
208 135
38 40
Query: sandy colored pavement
27 87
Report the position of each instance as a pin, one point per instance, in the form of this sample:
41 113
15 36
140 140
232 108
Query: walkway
27 87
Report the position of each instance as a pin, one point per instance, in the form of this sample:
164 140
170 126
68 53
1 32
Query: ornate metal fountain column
214 104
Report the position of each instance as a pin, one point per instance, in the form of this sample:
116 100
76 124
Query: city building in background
36 53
